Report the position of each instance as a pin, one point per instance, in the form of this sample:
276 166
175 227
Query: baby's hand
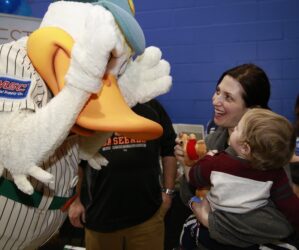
212 152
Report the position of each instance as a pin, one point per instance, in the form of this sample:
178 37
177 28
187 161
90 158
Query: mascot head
62 25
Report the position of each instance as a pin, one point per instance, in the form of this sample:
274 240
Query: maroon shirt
281 192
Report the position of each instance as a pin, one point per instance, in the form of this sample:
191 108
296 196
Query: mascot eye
132 7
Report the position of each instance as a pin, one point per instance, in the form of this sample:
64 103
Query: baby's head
265 138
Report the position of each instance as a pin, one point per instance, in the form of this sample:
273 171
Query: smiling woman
238 89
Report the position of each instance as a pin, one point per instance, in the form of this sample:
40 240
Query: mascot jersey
21 88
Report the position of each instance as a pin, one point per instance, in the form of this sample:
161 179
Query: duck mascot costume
63 90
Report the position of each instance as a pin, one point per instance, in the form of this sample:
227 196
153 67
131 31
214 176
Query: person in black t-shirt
126 206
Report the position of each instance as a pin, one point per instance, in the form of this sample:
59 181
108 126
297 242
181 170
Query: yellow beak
49 49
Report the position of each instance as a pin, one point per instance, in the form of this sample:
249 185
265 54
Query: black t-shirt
127 191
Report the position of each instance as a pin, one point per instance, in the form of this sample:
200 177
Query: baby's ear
245 149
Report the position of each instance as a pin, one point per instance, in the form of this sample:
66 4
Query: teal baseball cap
123 11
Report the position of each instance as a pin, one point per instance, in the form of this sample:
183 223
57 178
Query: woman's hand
179 151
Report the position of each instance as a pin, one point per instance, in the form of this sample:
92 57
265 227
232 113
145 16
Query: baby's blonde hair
270 136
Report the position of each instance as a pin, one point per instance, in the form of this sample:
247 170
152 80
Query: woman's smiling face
228 103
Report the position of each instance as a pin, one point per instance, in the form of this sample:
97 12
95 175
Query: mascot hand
146 77
89 146
20 176
91 52
98 161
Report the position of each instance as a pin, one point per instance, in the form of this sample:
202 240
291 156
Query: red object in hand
190 149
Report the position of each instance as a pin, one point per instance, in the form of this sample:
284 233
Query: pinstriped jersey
21 88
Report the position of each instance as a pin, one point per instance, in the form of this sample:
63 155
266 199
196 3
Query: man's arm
76 211
169 165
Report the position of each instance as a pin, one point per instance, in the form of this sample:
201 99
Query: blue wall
202 38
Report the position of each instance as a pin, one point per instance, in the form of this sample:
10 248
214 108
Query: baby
245 181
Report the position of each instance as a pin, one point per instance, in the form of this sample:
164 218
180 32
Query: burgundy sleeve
199 174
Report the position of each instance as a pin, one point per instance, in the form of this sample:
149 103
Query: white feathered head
75 19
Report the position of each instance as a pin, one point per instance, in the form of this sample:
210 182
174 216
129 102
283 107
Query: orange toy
49 49
195 149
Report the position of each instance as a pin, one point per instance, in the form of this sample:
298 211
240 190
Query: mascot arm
29 138
37 135
146 77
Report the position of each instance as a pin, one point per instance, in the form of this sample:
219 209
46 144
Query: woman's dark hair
255 83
